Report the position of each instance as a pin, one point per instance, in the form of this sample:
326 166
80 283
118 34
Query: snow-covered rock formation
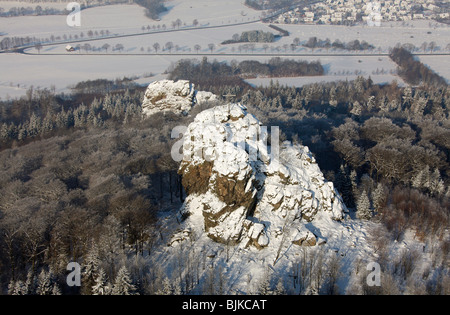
178 97
241 191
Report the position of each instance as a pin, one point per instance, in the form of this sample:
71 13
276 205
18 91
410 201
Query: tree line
413 71
218 75
314 42
252 37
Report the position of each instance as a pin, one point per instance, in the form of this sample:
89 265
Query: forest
268 4
85 178
251 37
413 71
153 7
355 45
216 75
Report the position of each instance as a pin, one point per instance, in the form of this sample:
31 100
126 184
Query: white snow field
115 18
439 64
6 5
62 69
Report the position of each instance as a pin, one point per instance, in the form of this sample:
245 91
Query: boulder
175 96
304 237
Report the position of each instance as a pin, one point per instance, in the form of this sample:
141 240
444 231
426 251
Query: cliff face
178 97
241 191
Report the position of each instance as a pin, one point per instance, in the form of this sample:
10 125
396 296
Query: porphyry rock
175 96
234 181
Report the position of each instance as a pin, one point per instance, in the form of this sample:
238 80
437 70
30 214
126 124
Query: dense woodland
413 71
153 7
268 4
84 178
216 76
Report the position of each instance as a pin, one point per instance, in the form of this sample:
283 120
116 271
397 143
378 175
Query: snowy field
381 70
125 19
65 70
6 5
387 35
56 67
301 81
439 64
115 18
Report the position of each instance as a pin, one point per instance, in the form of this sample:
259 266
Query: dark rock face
195 178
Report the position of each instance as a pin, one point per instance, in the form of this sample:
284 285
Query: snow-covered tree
378 197
345 185
56 290
30 282
363 209
436 185
177 287
101 286
166 288
356 109
91 269
279 289
44 285
17 288
431 181
123 284
421 179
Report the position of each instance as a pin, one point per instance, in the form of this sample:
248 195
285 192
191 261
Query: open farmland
119 40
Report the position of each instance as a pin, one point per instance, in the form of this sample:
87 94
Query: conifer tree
378 197
166 288
91 269
31 282
123 284
56 290
44 285
436 185
363 210
280 290
17 288
100 286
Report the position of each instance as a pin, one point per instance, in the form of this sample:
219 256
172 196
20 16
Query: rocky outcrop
304 237
177 97
241 192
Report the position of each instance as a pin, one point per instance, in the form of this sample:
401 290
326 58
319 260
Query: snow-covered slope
178 97
251 219
255 224
242 192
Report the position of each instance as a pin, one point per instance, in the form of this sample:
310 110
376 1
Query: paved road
22 51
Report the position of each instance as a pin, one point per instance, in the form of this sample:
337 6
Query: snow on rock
239 194
304 237
168 95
